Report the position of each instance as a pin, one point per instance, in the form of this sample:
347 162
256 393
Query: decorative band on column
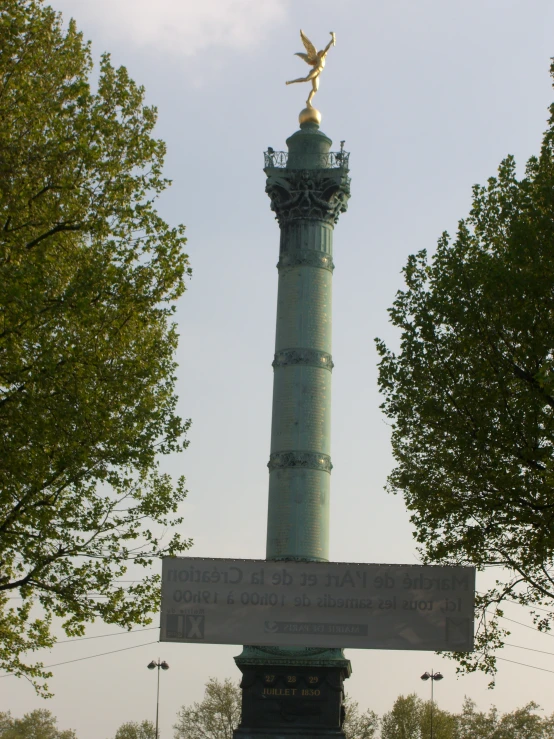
307 357
303 460
306 258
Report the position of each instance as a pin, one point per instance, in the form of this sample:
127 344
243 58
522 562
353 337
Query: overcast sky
429 95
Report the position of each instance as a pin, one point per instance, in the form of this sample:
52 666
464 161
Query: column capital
308 194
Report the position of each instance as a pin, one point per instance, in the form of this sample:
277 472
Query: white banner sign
317 604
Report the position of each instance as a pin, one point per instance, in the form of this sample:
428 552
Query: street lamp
432 676
152 666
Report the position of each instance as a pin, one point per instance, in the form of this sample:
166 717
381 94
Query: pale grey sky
429 96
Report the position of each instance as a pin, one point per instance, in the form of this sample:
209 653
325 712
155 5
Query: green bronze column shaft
307 195
308 188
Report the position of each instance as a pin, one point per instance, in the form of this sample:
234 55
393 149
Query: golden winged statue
314 58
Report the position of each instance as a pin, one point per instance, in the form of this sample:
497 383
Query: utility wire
542 669
529 649
92 656
103 636
533 628
126 649
90 595
525 605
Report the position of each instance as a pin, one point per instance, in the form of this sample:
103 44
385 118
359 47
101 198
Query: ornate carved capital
295 460
306 258
309 357
320 194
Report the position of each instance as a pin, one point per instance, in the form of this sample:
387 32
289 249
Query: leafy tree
359 725
404 720
410 718
525 724
473 724
444 723
39 724
5 722
216 717
89 274
522 723
471 393
135 730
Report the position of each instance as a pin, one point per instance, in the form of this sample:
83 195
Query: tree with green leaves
436 722
215 717
413 718
39 724
524 723
136 730
403 721
90 273
358 725
470 394
474 724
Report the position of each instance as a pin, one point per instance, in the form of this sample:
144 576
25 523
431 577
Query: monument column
307 195
295 692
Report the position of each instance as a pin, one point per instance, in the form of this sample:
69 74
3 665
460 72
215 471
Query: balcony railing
332 160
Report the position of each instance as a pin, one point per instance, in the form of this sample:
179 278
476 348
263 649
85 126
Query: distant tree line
218 714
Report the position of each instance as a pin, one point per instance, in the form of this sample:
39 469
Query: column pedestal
292 694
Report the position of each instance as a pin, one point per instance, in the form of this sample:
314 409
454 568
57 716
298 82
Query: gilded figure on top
314 58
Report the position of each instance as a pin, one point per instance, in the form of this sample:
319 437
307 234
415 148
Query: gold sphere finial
309 115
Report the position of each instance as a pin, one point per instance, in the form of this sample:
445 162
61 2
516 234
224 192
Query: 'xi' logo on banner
194 627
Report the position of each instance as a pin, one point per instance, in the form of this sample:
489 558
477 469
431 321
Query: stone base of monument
303 698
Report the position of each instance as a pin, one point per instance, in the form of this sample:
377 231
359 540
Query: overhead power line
92 656
522 664
517 603
533 628
103 636
529 649
526 605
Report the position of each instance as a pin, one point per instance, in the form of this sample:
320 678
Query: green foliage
471 394
89 274
39 724
215 717
359 725
403 721
522 723
473 724
135 730
444 723
410 718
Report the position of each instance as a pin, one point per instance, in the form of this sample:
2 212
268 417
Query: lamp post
429 676
152 666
